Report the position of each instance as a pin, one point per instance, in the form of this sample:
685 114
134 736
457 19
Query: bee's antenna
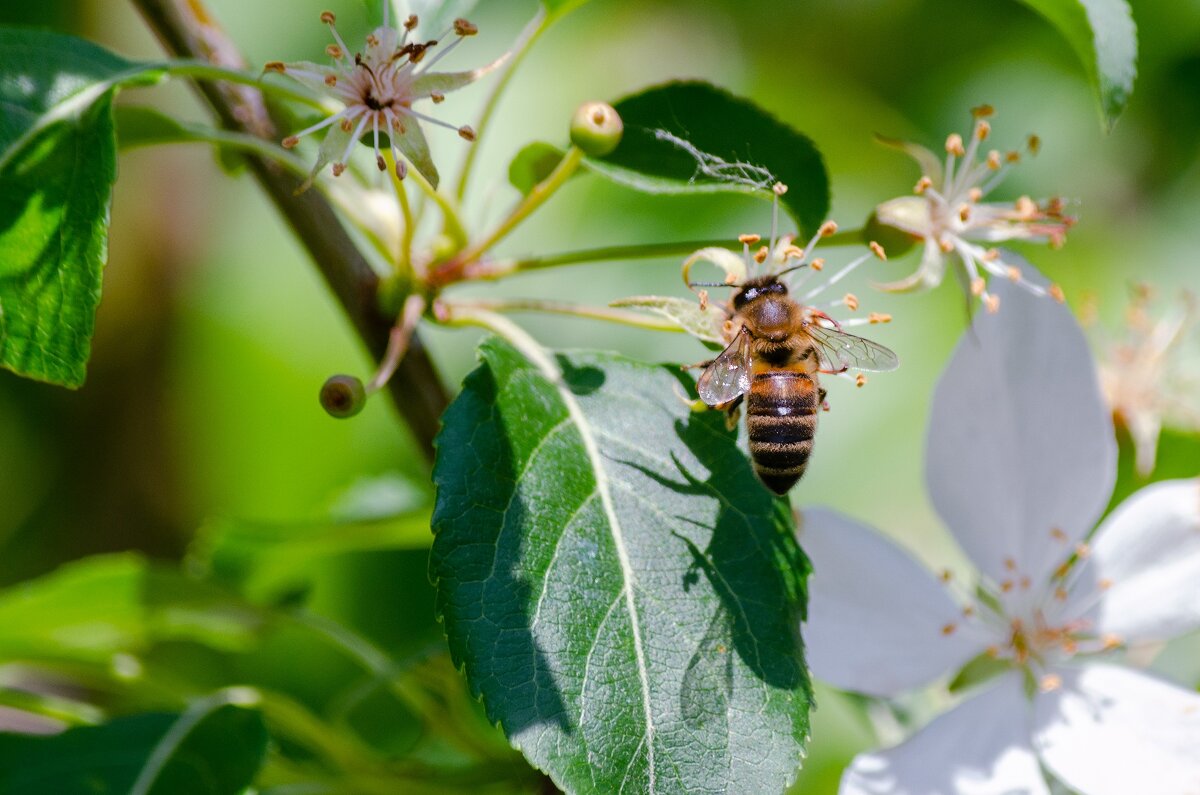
711 284
793 268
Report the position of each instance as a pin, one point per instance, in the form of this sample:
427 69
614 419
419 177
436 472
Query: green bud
343 396
596 128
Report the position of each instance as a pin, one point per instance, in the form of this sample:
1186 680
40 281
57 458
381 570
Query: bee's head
757 288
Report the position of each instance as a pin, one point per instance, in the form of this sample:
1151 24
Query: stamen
978 285
1014 273
982 111
1056 293
948 629
1050 682
464 28
817 264
992 303
335 52
860 380
466 132
275 66
749 240
836 277
437 96
877 250
954 145
923 184
993 160
1034 143
851 301
879 317
760 256
1057 534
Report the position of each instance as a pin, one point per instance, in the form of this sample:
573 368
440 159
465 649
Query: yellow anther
703 300
275 66
993 160
877 250
1014 273
1060 594
466 132
334 51
982 111
968 611
1007 586
978 285
749 240
290 141
1010 564
817 264
923 184
1111 641
992 303
1050 682
964 212
975 194
860 380
828 228
991 255
793 252
339 169
464 28
1056 293
954 145
992 651
779 188
1034 143
328 18
948 629
411 22
982 130
1104 584
879 317
851 301
1026 207
946 575
1012 157
331 80
437 96
945 245
760 256
346 125
1057 534
1082 551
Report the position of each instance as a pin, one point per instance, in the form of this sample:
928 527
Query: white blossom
949 217
1020 465
377 89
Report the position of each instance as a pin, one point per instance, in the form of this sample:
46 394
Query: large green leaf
213 749
619 588
1103 35
744 148
57 168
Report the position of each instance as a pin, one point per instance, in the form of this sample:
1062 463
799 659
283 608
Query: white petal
981 747
1142 581
877 620
1021 455
1113 731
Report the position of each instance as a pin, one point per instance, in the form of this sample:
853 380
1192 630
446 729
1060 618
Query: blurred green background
215 331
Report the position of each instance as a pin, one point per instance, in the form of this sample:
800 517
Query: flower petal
1114 731
981 747
1143 574
311 74
1021 456
928 274
445 82
415 148
878 622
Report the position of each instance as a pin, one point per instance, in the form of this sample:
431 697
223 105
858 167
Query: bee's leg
821 397
696 366
733 413
693 405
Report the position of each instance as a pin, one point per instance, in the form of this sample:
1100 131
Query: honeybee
778 348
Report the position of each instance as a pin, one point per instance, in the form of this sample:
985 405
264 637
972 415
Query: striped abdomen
781 418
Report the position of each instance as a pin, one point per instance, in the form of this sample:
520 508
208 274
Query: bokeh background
215 331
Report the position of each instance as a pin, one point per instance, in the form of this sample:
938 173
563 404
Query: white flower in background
1020 465
1144 374
377 90
949 216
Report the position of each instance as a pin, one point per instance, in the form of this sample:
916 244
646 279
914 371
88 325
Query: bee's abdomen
781 418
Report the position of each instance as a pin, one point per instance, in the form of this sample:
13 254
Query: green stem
532 31
536 198
404 258
500 268
207 71
608 314
450 215
519 338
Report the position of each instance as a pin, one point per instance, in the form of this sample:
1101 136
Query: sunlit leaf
617 585
213 750
57 168
669 128
1103 35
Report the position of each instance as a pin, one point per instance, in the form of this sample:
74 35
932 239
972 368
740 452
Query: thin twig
188 29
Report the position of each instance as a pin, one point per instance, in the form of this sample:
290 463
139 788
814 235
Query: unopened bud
596 128
343 396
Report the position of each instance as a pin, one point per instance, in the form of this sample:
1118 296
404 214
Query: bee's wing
729 374
840 351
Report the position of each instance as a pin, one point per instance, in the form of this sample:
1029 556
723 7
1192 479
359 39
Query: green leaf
57 168
618 586
215 748
89 610
533 164
1103 35
742 143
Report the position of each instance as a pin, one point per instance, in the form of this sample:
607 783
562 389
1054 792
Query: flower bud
596 128
343 396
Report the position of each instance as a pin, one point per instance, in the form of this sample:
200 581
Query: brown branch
187 29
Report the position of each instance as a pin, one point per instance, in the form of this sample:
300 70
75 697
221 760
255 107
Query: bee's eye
745 297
